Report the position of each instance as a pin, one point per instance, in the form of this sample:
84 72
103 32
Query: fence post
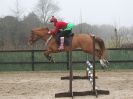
32 57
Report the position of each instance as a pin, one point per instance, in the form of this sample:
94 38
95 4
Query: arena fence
12 60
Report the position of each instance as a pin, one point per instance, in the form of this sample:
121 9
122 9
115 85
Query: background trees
45 9
15 29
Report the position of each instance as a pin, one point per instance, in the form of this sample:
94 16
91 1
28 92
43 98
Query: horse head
38 33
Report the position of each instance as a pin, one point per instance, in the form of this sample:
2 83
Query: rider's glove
49 32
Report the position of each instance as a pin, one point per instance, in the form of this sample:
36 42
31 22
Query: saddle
67 39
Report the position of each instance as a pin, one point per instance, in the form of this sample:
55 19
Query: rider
61 30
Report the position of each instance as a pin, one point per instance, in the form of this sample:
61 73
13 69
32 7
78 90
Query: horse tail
101 44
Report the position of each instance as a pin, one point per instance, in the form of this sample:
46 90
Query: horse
83 41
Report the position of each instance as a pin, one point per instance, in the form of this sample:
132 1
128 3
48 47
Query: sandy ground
44 85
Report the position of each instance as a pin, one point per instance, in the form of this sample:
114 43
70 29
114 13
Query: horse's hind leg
104 63
48 56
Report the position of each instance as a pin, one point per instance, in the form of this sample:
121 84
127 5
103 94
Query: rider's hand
49 32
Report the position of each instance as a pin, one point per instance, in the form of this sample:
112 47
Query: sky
113 12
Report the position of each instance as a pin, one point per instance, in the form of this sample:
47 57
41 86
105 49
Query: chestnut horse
83 41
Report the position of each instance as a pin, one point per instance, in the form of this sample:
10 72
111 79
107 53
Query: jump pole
94 82
71 74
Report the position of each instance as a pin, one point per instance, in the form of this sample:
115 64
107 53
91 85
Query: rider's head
53 20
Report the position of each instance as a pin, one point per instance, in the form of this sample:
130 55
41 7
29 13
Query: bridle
47 40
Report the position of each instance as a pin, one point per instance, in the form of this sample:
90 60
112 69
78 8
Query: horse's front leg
48 56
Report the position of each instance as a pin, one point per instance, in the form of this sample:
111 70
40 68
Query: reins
47 41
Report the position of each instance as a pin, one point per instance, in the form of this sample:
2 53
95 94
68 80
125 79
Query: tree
31 21
120 37
45 9
8 31
17 11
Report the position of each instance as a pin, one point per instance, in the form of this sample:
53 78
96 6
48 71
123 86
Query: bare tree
18 14
17 10
45 9
120 37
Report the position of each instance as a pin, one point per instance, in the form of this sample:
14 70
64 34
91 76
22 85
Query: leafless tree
45 9
17 10
120 37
